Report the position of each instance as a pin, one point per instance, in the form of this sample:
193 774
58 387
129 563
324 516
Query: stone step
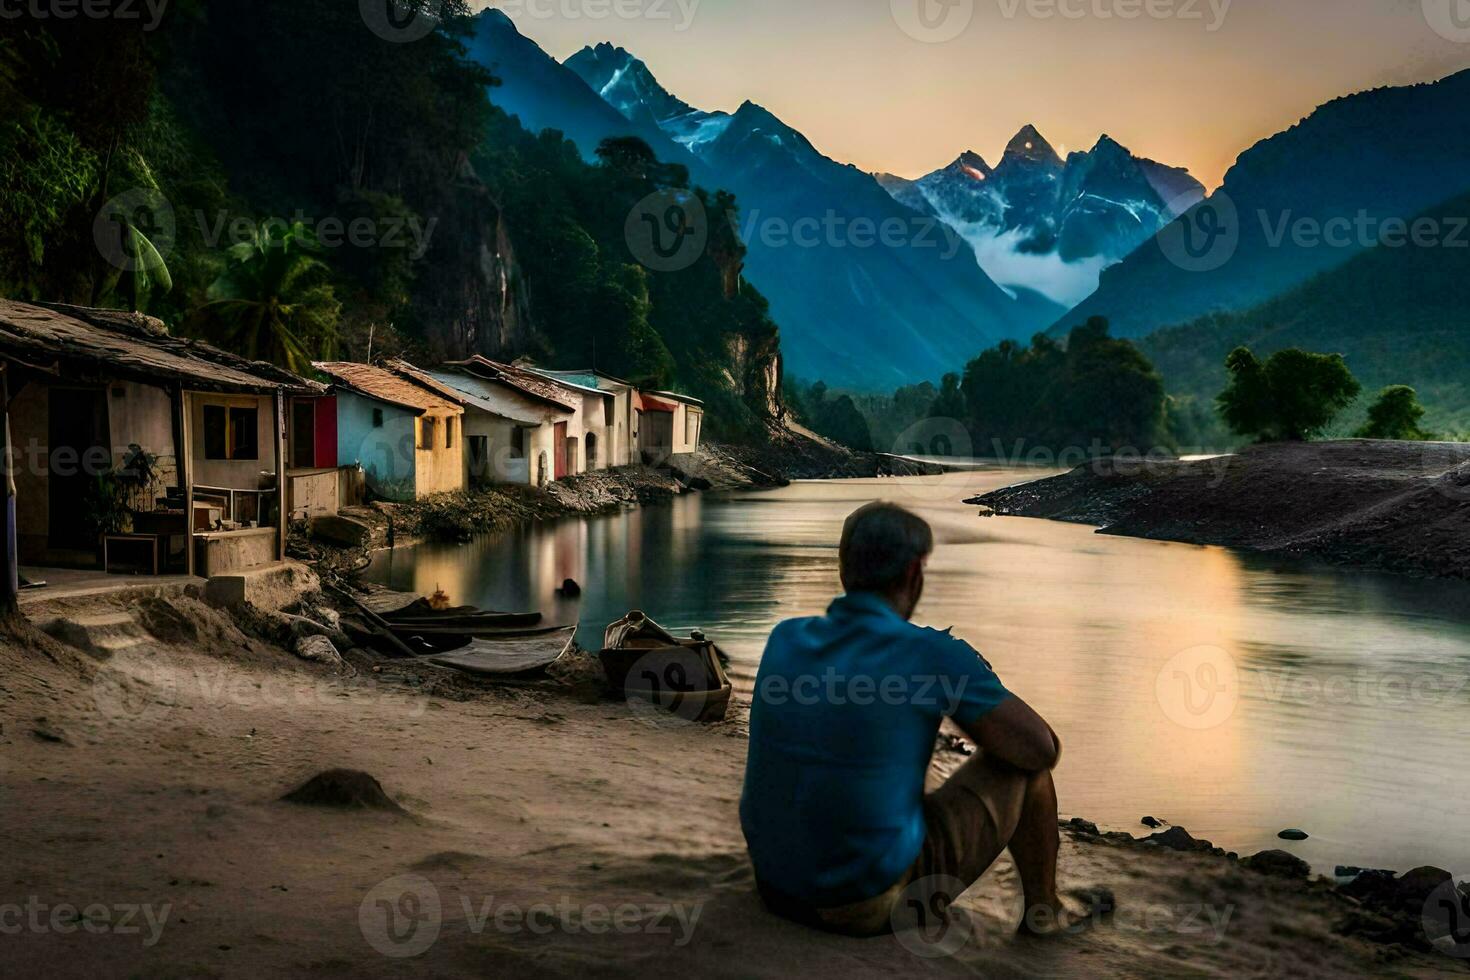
101 634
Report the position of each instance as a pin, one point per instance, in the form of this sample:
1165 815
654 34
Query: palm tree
274 301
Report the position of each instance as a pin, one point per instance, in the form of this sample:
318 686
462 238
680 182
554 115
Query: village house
670 425
499 426
555 449
406 439
589 435
620 445
133 451
316 484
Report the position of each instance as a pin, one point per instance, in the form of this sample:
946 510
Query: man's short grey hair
879 542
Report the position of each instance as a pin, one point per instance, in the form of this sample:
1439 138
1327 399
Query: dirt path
548 835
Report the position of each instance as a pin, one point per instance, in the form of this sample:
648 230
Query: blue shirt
846 710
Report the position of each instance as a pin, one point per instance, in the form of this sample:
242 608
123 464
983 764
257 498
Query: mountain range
1037 231
1041 223
1297 204
856 308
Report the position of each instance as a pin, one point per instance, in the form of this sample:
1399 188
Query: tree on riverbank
1396 415
1292 397
1097 390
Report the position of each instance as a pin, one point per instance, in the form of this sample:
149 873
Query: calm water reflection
1233 696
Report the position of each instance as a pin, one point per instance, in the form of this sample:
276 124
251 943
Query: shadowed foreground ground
546 835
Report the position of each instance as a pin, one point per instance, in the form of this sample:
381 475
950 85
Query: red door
326 432
559 450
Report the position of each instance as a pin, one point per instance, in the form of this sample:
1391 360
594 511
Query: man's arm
1014 733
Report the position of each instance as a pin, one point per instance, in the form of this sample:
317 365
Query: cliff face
473 291
754 376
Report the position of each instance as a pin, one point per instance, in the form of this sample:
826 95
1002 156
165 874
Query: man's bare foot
1080 911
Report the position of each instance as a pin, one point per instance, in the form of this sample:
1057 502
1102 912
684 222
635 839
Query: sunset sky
867 92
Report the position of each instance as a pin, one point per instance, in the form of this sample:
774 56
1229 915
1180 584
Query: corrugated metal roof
474 391
385 386
527 381
464 399
591 379
134 346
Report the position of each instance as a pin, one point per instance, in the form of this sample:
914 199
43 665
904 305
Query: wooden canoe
446 637
512 658
468 621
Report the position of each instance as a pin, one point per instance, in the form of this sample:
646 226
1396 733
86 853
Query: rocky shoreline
1400 912
1388 506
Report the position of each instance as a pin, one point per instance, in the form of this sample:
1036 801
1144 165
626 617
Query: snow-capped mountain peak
1038 222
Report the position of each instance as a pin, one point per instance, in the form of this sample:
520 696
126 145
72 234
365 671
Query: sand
548 832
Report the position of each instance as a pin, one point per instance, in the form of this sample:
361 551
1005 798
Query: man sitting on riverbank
846 711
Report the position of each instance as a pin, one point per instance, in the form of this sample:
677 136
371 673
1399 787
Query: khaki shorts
962 839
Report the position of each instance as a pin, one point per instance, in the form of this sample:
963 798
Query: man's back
846 710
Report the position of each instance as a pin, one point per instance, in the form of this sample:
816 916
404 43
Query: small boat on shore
646 663
445 638
514 659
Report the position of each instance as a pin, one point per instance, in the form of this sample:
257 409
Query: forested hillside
279 177
1398 315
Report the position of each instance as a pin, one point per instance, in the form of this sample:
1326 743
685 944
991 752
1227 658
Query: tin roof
443 384
477 391
385 386
590 378
526 381
134 346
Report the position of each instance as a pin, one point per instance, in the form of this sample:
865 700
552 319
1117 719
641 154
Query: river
1225 693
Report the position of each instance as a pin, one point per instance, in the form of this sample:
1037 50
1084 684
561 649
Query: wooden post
184 457
10 581
281 522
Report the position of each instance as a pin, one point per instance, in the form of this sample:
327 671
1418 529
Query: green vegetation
1397 314
1095 394
838 419
1097 390
1395 415
1292 397
274 176
274 301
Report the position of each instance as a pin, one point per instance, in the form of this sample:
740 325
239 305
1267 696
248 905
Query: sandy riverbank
1398 507
548 832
